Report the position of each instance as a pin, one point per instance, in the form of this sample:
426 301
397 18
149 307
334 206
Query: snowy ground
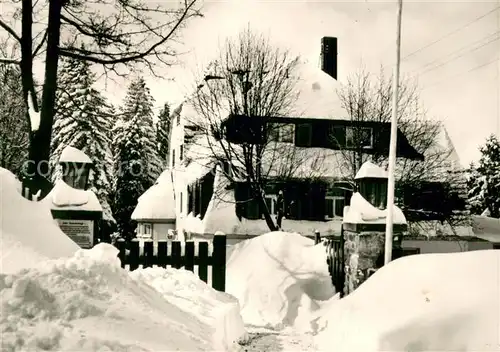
55 297
262 339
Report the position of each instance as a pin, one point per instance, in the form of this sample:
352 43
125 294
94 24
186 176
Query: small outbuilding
155 210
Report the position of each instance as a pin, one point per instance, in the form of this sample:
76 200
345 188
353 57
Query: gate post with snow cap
363 226
76 209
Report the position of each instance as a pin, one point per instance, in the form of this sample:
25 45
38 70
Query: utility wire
461 74
451 33
495 36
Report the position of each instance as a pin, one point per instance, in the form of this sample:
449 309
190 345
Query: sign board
80 231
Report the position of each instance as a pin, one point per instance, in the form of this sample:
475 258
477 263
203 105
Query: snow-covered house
315 193
155 210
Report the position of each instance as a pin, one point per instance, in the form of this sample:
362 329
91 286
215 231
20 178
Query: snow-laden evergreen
163 133
484 180
83 121
137 164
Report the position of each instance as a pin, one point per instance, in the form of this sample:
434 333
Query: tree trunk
27 69
257 193
39 151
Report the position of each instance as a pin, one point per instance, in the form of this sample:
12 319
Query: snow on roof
158 201
317 94
370 170
282 159
317 97
70 154
28 232
363 212
65 197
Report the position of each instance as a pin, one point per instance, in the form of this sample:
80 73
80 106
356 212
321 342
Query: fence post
120 244
134 258
219 262
317 237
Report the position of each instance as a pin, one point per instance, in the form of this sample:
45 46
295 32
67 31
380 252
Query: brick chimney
329 56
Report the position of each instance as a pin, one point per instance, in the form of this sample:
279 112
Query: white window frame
352 128
274 200
334 199
147 233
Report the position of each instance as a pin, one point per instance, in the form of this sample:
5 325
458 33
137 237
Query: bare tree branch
10 30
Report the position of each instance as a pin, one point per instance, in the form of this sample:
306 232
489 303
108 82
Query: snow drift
279 278
219 311
88 303
429 302
57 297
28 232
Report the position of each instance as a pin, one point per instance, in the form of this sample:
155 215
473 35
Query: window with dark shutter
173 158
303 135
181 152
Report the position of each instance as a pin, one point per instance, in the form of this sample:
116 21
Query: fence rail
194 254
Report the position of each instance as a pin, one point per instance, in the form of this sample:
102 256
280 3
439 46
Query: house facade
315 191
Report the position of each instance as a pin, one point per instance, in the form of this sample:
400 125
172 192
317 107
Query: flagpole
393 142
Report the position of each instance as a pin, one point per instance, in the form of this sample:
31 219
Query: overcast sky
456 87
452 47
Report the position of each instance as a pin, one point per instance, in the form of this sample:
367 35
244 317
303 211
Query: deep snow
28 232
428 302
279 279
56 297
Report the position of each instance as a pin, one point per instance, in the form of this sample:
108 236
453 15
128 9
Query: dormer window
359 137
280 132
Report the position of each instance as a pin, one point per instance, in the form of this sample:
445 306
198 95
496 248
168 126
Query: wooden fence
195 254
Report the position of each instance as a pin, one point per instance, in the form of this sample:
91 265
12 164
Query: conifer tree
137 164
484 181
163 133
82 120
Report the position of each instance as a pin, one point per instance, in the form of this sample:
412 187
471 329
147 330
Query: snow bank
431 302
218 310
88 303
279 278
28 232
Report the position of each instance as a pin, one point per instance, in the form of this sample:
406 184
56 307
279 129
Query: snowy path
262 340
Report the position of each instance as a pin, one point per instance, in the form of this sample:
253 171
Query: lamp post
393 142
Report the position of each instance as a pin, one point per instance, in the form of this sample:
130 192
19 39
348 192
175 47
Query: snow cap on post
73 155
370 170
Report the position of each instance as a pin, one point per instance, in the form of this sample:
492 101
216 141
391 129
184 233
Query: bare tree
114 34
252 79
14 130
368 98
